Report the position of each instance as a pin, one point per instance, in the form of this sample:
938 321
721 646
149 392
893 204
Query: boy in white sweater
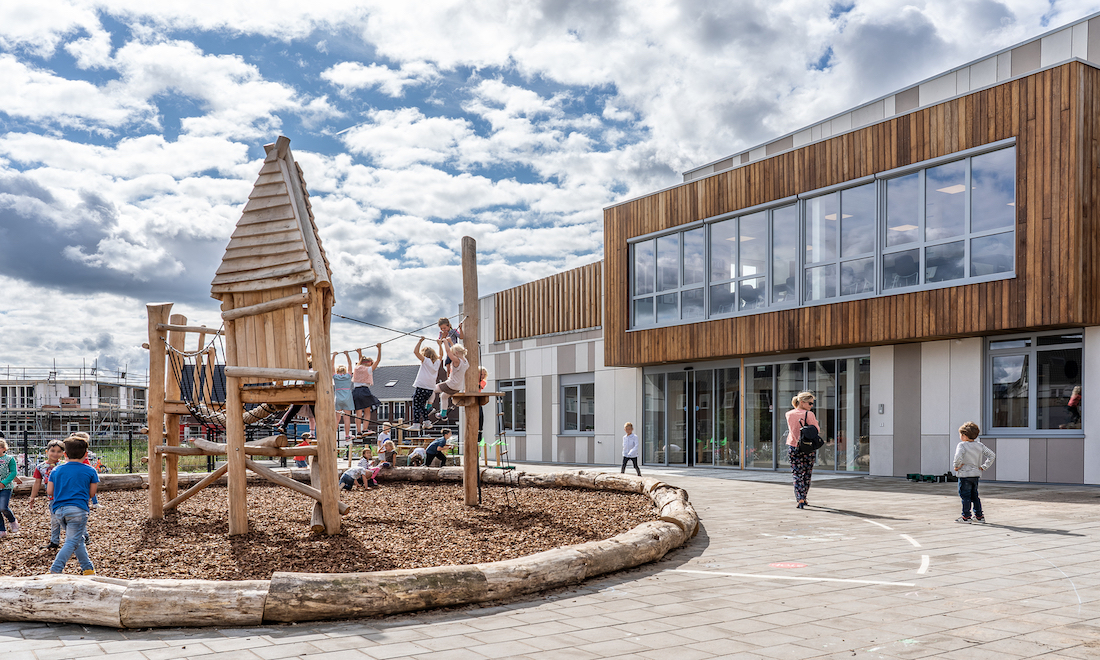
971 458
630 448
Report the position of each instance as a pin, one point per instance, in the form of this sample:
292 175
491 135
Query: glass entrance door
692 417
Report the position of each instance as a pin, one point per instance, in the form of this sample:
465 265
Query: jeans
5 501
75 521
635 460
55 528
301 464
968 491
432 455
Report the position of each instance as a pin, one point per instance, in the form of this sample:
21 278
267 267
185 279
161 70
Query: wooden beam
219 449
320 325
193 490
177 340
237 490
269 306
181 451
279 395
158 316
173 327
470 306
275 477
271 374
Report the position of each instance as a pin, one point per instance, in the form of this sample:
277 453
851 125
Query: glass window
514 404
691 304
900 269
653 435
723 250
668 262
666 308
723 299
1035 382
728 417
644 275
993 191
821 282
992 254
821 227
944 262
578 408
945 203
785 254
902 209
857 221
752 293
752 244
643 312
759 408
695 256
857 276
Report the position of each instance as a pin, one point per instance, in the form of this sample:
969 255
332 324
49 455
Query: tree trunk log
62 599
159 603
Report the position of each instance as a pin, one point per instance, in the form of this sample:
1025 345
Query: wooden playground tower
274 283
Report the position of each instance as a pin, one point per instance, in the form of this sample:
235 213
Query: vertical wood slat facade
1052 114
564 302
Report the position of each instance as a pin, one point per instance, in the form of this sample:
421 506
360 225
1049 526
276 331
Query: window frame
510 386
576 381
1032 352
801 202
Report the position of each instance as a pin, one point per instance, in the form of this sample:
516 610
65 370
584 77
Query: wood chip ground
398 525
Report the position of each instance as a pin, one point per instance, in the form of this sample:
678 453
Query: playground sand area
395 526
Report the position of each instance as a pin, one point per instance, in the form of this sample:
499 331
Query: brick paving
887 574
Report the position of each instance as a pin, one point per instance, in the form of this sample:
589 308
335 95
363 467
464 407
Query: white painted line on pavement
877 523
924 562
802 578
910 539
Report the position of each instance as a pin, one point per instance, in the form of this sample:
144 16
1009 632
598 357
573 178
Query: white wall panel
1057 47
1013 459
966 383
935 454
935 387
1090 387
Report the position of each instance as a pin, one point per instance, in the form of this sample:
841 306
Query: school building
918 261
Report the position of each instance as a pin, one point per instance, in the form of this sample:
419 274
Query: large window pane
677 418
821 380
644 264
643 312
857 276
691 304
695 257
705 444
752 293
723 250
944 262
1058 373
666 308
587 407
991 254
723 299
571 408
853 429
993 190
728 431
945 201
785 254
789 378
1010 384
900 269
902 209
857 220
822 214
753 244
668 262
653 429
820 282
759 408
519 395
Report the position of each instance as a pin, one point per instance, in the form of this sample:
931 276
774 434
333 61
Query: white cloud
352 76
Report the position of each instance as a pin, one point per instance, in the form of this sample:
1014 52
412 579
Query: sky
131 133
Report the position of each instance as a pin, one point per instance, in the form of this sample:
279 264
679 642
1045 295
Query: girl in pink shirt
802 463
362 378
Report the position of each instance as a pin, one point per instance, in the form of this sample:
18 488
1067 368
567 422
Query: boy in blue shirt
436 448
71 485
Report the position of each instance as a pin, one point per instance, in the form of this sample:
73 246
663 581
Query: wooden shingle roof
276 243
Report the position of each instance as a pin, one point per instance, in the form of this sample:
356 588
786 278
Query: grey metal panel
1037 459
592 450
907 100
782 144
515 345
521 448
1027 58
547 418
567 449
544 341
907 445
991 473
1066 460
592 356
1094 40
503 366
567 359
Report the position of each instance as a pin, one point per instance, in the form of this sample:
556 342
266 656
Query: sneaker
14 525
427 406
963 519
87 539
427 425
3 534
90 571
443 415
413 427
980 519
52 546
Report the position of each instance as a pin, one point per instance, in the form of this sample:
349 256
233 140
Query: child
87 461
71 485
384 436
424 383
630 448
55 450
345 405
971 458
448 333
300 461
457 379
436 448
7 478
417 457
389 454
362 378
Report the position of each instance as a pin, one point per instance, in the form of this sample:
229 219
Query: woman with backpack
802 462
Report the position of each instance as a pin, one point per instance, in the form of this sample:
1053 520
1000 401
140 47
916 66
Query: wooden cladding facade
1053 116
560 303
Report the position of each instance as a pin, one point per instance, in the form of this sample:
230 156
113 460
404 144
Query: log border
296 597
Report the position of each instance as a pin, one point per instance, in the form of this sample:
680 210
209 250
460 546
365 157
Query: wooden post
158 313
324 410
237 489
470 449
176 340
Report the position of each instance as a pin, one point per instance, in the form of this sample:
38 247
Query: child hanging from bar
341 384
363 399
456 380
424 384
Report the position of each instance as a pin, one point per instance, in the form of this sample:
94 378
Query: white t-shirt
630 446
458 374
425 378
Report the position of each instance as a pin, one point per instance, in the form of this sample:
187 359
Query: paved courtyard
875 568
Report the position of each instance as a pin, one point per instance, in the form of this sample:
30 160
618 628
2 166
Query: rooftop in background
1077 41
401 376
129 378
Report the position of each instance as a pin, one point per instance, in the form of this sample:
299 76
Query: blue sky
130 134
